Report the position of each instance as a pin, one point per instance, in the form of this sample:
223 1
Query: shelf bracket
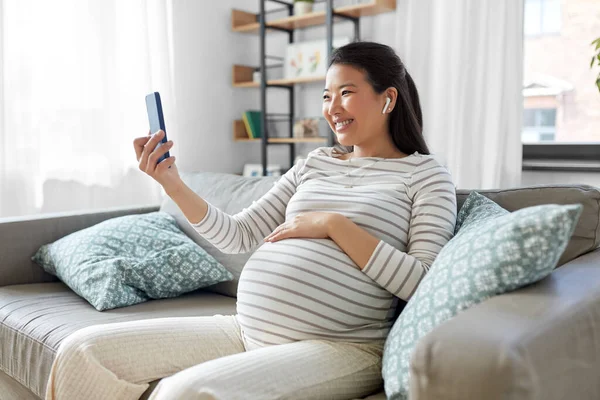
280 86
276 10
329 30
355 20
343 16
282 2
275 28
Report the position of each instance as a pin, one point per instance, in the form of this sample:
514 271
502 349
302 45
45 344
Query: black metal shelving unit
263 25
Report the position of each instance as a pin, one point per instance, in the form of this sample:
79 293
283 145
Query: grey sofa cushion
586 236
36 318
229 193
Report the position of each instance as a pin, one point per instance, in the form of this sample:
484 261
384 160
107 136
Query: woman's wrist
353 240
190 203
174 188
335 221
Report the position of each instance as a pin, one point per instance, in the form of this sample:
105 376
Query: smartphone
156 120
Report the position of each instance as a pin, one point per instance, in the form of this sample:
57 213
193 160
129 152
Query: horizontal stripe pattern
300 288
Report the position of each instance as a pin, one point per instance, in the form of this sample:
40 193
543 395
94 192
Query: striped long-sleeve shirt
301 288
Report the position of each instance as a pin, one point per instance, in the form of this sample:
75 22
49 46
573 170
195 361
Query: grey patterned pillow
493 252
127 260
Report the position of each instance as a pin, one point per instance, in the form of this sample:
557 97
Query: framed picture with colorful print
309 59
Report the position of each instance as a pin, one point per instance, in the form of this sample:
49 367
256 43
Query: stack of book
253 124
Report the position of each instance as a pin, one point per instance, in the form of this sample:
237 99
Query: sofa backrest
22 236
586 236
231 193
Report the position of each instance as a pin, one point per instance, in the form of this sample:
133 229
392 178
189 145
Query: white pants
205 358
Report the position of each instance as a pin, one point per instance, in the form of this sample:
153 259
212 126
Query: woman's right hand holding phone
147 155
193 206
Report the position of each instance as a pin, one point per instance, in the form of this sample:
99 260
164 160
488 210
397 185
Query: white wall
205 50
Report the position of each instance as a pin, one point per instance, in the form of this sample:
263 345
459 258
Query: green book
254 119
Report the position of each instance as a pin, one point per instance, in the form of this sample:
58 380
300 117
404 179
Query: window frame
564 157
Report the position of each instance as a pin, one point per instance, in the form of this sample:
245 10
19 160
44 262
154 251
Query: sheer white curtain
466 57
73 75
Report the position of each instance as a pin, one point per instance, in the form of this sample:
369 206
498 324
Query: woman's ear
392 94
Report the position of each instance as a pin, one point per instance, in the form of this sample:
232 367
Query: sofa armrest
21 237
539 342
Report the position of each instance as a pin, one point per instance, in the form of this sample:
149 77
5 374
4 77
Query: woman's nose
334 106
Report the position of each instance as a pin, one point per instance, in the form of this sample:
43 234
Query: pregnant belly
295 289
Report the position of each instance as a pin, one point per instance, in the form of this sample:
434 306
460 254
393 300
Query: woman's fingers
138 145
272 234
165 164
277 232
157 154
147 150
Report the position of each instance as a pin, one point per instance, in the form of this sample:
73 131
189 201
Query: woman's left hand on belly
306 225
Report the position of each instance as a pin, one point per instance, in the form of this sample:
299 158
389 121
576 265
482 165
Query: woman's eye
345 92
325 97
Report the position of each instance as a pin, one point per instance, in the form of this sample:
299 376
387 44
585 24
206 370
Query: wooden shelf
280 82
288 140
298 140
239 132
240 135
242 78
245 22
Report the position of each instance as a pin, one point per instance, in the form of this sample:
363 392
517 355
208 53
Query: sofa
539 342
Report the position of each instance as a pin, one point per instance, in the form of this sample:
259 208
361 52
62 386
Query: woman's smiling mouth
343 125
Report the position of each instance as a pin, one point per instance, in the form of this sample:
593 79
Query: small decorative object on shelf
304 128
302 7
253 170
256 76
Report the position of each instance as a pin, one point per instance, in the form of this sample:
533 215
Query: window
542 17
560 97
539 125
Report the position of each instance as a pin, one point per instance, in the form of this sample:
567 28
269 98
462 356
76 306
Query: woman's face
351 106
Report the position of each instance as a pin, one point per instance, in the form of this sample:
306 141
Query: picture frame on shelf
255 170
309 59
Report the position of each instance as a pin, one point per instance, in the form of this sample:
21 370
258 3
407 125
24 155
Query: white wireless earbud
387 103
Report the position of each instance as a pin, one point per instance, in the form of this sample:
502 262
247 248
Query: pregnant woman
344 235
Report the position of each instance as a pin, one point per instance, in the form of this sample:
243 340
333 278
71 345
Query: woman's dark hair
384 69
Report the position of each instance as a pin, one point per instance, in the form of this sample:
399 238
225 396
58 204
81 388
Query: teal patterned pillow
127 260
493 252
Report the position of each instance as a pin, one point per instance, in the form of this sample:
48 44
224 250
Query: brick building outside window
561 100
